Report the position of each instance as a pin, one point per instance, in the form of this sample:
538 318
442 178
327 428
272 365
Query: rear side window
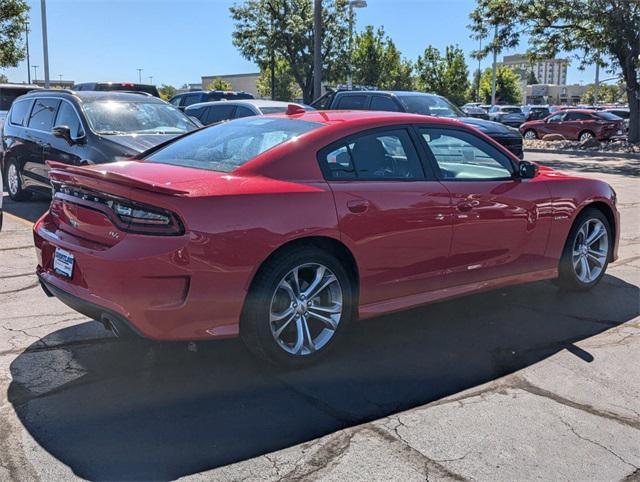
19 112
577 116
607 116
217 113
229 145
43 113
242 111
352 102
190 99
383 102
383 155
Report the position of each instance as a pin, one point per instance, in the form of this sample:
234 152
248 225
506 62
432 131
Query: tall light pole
352 4
45 43
479 73
495 62
140 75
317 45
151 79
596 86
28 57
60 77
35 73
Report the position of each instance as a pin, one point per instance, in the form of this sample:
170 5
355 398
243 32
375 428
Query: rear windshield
224 147
608 116
511 109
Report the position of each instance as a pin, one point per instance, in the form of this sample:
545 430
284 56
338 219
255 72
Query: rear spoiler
94 173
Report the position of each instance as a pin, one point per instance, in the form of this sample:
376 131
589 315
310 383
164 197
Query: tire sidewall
567 276
254 326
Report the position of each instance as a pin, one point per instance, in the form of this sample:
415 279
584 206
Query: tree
508 89
286 87
598 31
13 21
607 93
284 28
474 89
446 75
219 84
376 61
3 79
167 91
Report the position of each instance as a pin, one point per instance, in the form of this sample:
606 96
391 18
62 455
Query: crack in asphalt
25 288
594 442
15 248
19 275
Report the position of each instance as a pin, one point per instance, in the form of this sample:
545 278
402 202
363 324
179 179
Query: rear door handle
358 206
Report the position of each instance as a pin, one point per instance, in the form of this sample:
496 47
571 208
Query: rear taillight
130 216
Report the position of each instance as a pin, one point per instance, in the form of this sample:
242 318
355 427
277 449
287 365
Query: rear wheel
14 183
586 252
530 134
299 307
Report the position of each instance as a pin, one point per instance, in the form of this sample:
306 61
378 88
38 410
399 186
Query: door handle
358 206
465 206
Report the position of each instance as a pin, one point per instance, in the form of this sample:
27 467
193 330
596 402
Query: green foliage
285 27
13 20
474 88
219 84
607 94
508 89
377 62
286 87
167 91
446 75
606 32
3 79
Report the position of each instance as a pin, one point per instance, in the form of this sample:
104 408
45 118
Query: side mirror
63 132
527 170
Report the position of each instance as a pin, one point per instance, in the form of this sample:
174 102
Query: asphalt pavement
520 383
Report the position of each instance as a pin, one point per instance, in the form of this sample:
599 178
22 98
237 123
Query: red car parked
283 229
576 124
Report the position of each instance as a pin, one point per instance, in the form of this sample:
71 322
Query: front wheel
586 252
530 134
299 306
585 136
14 183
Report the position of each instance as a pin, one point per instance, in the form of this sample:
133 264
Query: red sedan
283 229
576 124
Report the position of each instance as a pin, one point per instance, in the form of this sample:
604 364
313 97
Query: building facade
554 94
239 82
549 71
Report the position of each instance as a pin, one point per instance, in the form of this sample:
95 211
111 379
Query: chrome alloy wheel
12 179
590 250
585 136
306 309
530 135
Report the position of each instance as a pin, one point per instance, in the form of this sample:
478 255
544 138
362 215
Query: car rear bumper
155 287
513 143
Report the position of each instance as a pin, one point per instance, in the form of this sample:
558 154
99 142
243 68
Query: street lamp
45 42
317 45
140 75
28 57
352 4
151 79
35 73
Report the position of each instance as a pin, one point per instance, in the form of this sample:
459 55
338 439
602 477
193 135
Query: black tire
16 193
567 276
255 329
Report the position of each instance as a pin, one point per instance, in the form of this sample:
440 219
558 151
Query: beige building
549 71
554 94
245 82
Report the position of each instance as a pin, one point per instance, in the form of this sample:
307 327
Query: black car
418 103
79 128
189 98
535 112
118 87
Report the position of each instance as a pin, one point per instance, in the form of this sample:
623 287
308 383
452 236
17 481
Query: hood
138 143
489 127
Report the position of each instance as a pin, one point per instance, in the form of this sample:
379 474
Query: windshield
511 109
139 117
224 147
430 105
608 116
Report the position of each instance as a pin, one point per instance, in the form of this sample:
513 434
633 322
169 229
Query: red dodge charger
284 229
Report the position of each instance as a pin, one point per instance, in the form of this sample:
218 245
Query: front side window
19 112
112 117
67 117
384 155
217 113
43 113
355 102
190 99
462 156
229 145
556 118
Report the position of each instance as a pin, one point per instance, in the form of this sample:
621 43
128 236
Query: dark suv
189 98
80 128
418 103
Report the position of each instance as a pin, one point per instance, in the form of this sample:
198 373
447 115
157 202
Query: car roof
19 86
581 111
398 93
253 102
332 117
94 95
